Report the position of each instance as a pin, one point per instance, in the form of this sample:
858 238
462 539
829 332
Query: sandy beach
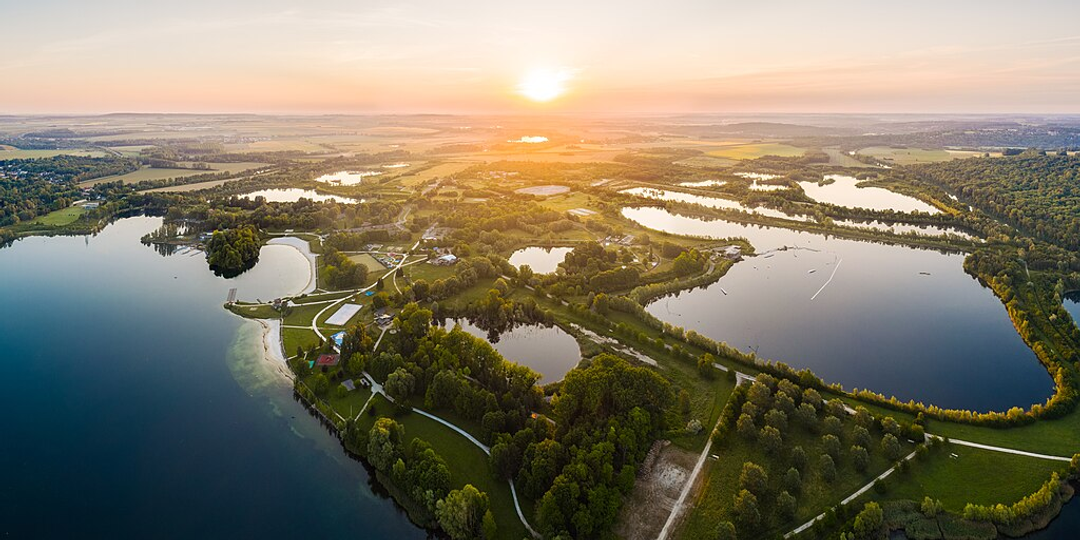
272 351
304 248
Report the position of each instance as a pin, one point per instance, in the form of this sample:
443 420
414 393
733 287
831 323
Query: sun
543 85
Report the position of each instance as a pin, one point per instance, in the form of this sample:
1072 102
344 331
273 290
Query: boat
811 271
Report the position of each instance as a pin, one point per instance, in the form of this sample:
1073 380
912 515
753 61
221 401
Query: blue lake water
892 319
135 406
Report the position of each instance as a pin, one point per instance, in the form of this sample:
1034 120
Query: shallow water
893 319
542 260
138 407
550 352
844 192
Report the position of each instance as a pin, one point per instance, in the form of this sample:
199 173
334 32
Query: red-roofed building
327 360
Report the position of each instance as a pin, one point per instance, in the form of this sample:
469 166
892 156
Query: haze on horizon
282 56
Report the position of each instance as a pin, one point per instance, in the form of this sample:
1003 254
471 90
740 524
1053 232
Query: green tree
792 481
705 365
771 440
384 443
798 458
461 513
860 458
786 505
890 445
320 384
777 419
746 510
754 479
488 526
830 444
745 426
399 385
868 522
725 531
828 468
930 507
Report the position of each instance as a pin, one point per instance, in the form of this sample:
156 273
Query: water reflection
843 191
542 260
897 320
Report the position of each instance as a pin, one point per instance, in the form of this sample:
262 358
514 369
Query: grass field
428 272
468 463
148 173
368 261
974 475
756 150
908 156
10 152
422 177
59 218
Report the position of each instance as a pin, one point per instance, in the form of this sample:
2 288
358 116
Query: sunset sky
358 56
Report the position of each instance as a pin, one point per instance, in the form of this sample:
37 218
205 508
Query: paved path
1004 450
676 510
849 498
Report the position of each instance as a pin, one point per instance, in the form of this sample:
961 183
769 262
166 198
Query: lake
896 320
295 194
138 407
844 191
710 202
347 178
542 260
551 352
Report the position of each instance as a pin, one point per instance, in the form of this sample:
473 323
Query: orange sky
383 56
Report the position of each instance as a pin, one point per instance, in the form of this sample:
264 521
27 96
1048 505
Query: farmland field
756 150
148 173
10 152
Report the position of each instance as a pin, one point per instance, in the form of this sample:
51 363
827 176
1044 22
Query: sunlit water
347 178
138 407
295 194
710 202
896 320
542 260
843 191
551 352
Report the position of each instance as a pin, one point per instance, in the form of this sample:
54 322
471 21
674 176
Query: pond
711 202
136 403
347 178
704 183
843 191
1072 305
542 260
295 194
904 228
551 352
892 319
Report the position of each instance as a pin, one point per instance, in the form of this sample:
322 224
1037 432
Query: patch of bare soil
661 478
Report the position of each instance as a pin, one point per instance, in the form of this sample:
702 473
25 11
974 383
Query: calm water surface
551 352
843 191
347 178
137 407
542 260
896 320
295 194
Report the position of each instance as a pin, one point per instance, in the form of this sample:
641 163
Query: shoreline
272 348
304 248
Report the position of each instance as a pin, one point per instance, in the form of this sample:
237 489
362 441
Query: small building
348 384
446 260
326 360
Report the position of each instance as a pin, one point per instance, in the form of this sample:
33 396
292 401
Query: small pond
551 352
542 260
